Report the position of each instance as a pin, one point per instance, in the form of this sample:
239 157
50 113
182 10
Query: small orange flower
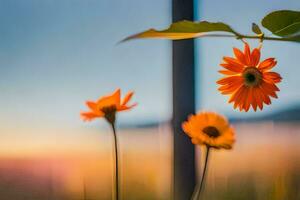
248 81
107 107
210 129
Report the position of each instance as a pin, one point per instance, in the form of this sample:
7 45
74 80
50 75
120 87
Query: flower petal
125 107
93 106
270 89
88 116
235 96
267 64
113 99
247 55
248 99
243 102
232 64
272 77
231 86
255 57
259 98
229 80
127 98
239 100
227 72
239 55
254 100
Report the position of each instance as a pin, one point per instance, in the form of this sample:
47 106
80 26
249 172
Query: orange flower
107 107
210 129
248 81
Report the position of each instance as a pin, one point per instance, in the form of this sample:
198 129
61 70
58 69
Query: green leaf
283 23
256 29
185 30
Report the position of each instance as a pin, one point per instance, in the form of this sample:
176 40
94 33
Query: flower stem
196 192
116 159
204 171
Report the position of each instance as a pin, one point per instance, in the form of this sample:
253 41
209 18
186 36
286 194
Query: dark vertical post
183 104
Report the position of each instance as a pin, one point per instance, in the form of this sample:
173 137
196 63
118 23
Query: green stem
204 171
116 159
240 36
266 38
196 192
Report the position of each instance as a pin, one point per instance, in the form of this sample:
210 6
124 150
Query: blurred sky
54 55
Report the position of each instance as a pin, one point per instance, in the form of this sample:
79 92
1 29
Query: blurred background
55 55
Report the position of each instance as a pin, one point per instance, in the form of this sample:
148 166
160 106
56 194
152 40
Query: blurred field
83 170
264 165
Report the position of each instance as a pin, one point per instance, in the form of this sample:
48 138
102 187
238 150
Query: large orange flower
107 106
210 129
248 81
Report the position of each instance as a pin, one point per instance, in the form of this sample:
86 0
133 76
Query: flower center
211 131
252 76
109 113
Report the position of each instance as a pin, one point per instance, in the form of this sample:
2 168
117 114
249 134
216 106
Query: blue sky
57 54
54 55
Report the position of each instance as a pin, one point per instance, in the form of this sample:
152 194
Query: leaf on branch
284 23
256 29
185 30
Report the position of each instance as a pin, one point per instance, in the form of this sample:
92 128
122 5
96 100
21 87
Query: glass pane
54 56
265 161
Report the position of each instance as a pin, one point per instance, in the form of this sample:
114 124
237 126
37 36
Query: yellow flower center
252 76
211 131
109 113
